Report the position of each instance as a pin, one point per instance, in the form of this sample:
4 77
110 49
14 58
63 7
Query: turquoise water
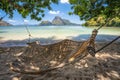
48 34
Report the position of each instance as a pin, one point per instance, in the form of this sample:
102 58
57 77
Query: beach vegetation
97 12
33 8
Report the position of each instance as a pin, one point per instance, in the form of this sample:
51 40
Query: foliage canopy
34 8
88 9
85 9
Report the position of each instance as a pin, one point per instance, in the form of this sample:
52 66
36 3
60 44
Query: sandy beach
60 40
104 66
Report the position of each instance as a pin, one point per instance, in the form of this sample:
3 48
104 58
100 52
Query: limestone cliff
57 21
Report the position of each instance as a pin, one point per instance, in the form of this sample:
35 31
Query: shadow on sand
99 38
51 40
24 42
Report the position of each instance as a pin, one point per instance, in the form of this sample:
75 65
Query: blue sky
61 10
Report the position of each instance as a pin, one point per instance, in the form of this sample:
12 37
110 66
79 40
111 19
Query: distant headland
4 23
57 21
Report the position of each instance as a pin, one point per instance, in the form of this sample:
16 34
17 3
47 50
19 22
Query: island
4 23
58 21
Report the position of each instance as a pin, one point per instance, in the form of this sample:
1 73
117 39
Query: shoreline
46 41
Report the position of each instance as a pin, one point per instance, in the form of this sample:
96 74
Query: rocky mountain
4 23
57 21
44 23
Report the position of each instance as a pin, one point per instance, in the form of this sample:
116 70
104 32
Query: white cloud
64 1
26 21
54 12
13 21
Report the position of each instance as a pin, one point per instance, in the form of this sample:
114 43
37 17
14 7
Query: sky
61 10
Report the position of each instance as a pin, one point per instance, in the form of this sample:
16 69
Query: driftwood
37 59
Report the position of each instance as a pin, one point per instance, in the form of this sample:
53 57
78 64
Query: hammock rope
28 32
107 44
106 22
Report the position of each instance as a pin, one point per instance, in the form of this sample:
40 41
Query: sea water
19 35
